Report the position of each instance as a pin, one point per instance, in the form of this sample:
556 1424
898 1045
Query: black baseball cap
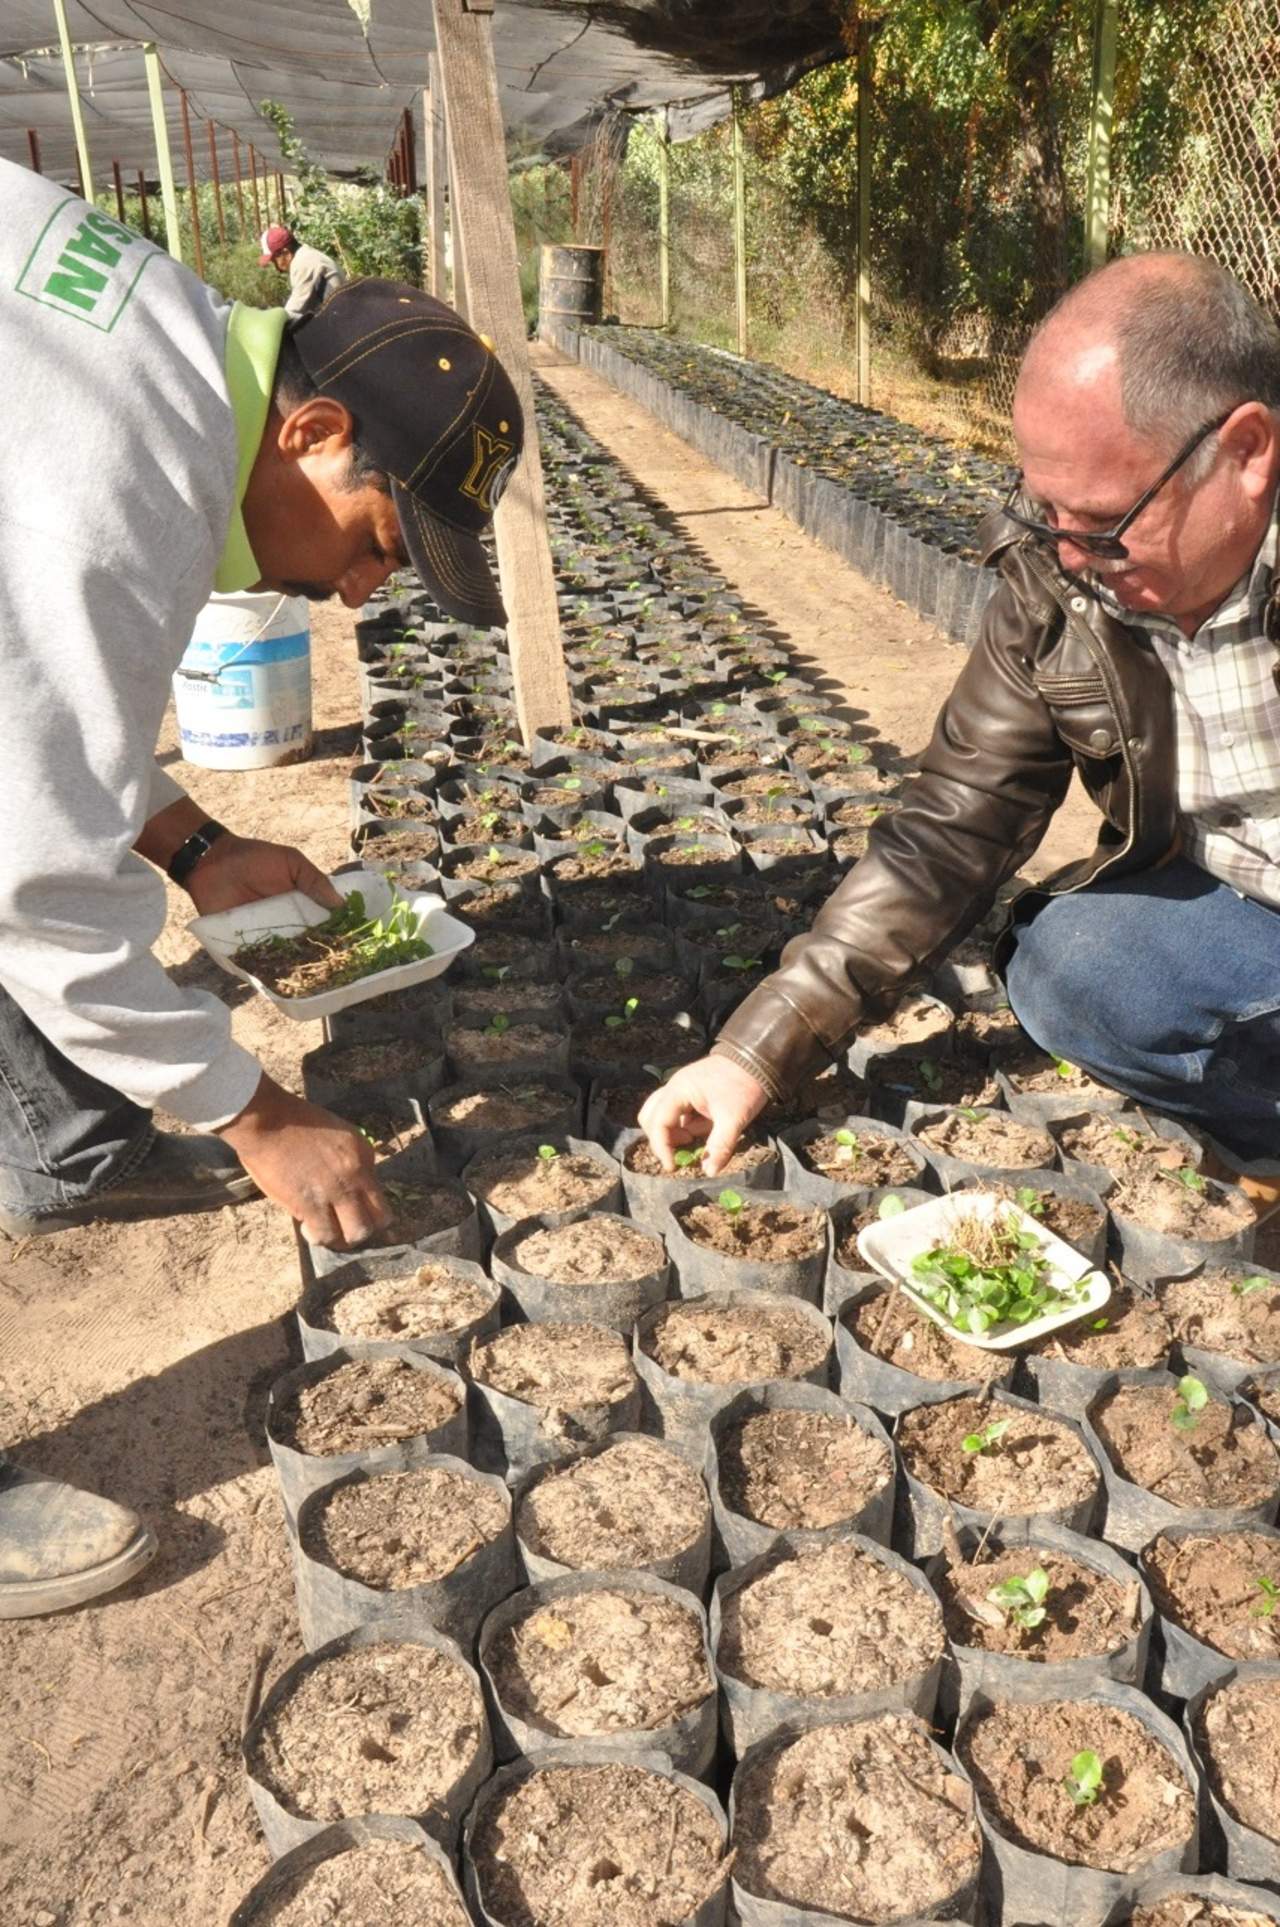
437 412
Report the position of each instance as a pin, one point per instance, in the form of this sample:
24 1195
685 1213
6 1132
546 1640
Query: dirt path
135 1361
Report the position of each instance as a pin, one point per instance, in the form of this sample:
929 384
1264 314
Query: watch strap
188 854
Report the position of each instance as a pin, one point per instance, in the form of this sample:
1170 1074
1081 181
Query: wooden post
482 209
739 224
437 169
164 159
33 148
410 151
606 171
664 219
73 97
253 179
281 203
235 158
862 329
575 195
119 187
217 183
193 193
142 203
1097 217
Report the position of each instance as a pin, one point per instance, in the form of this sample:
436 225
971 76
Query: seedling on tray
989 1272
1192 1398
1022 1598
1084 1781
348 945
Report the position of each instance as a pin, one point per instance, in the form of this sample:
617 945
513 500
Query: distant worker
313 276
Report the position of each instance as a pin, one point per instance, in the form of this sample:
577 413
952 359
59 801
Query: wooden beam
164 159
73 97
142 202
437 171
119 187
862 329
575 196
739 224
193 192
33 149
1097 203
235 159
482 210
217 183
664 219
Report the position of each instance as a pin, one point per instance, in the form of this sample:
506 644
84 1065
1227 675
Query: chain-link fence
978 152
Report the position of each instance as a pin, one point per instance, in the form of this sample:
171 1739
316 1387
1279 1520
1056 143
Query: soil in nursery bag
521 1105
1020 1757
434 1301
501 1043
1131 1330
600 1845
1221 1587
1236 1729
846 1223
521 1183
795 1470
480 1005
606 1659
886 1324
371 1063
1220 1461
859 1159
403 1529
1208 1901
760 1233
1087 1612
1236 1313
861 1820
751 1152
398 847
1155 1184
732 1344
917 1023
363 1406
387 1726
1081 1222
992 1140
422 1210
635 1040
577 1379
1035 1464
377 1883
827 1620
590 1251
632 1504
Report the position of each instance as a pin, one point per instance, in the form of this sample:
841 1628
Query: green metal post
664 220
863 319
739 224
1098 184
73 95
164 160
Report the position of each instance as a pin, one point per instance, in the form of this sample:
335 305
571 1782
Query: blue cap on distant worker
439 415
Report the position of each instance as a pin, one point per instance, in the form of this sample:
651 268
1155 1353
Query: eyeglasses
1107 543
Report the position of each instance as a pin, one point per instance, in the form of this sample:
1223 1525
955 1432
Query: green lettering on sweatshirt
84 265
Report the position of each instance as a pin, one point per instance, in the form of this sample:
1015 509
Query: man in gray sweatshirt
161 445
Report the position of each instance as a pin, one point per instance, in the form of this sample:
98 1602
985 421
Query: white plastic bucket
242 691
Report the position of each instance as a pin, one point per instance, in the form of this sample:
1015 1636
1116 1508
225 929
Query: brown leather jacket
1054 683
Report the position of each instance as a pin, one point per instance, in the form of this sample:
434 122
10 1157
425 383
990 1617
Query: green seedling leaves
991 1272
1186 1175
890 1207
989 1435
1030 1200
1022 1598
730 1201
592 849
1245 1287
1266 1607
850 1146
548 1153
686 1160
1099 1324
1084 1781
499 1024
1065 1069
1192 1398
735 962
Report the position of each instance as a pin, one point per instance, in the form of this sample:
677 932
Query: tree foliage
366 227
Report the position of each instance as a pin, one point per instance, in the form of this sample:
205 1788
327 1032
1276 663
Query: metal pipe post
33 148
664 219
164 159
862 332
235 156
119 187
193 193
217 183
253 182
73 97
142 203
739 223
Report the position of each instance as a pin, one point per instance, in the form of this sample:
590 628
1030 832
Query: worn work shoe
178 1174
59 1547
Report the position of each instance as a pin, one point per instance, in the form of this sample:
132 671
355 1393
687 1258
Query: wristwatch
188 854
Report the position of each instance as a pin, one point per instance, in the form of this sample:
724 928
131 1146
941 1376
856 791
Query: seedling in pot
616 1019
548 1153
850 1150
1022 1598
930 1074
496 973
592 849
690 1158
1265 1609
1030 1200
891 1207
1185 1175
730 1202
1064 1068
624 967
1192 1398
1245 1287
742 964
1084 1781
989 1435
499 1024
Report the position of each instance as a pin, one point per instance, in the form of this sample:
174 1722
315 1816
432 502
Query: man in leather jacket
1132 638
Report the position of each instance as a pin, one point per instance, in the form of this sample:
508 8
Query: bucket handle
214 675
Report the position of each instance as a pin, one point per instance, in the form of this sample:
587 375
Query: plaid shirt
1227 712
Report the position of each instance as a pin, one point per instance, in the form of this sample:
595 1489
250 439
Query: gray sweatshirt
313 277
133 400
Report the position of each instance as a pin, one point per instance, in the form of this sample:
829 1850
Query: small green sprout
1099 1324
589 851
685 1160
850 1146
930 1074
1186 1175
499 1024
548 1153
623 966
1030 1200
1064 1068
730 1201
1022 1598
497 973
493 854
989 1435
1084 1781
1245 1287
490 820
891 1206
571 783
1192 1398
616 1019
1270 1599
735 962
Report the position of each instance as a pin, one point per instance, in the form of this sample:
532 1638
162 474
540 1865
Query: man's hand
314 1164
240 869
713 1099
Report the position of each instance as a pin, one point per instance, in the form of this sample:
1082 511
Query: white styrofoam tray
891 1244
224 932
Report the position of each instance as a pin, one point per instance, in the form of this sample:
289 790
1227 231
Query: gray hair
1191 343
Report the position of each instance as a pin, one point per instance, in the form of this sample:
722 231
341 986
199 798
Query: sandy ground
136 1360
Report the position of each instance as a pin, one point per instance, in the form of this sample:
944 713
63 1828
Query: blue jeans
1166 986
63 1135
